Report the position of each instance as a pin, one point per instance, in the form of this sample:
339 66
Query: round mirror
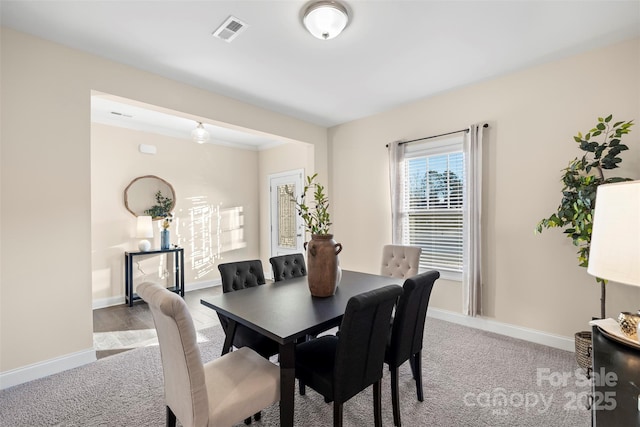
149 195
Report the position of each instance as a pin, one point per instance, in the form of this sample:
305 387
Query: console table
178 262
616 382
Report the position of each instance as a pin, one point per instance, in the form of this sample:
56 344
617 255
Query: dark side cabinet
616 382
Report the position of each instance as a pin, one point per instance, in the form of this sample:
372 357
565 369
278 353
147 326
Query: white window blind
433 204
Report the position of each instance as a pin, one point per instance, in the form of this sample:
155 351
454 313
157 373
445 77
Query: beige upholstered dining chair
221 392
400 261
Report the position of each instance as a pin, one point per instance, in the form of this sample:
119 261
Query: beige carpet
471 378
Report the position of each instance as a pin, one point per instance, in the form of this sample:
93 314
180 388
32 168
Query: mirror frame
126 194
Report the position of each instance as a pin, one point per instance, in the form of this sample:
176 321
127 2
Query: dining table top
285 311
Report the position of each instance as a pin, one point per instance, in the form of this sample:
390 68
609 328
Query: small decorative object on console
629 324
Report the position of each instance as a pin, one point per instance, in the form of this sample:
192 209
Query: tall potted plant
323 266
580 180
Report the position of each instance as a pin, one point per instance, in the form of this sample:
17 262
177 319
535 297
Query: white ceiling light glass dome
200 134
325 19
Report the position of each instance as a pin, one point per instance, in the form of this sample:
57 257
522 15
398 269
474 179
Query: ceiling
392 52
120 112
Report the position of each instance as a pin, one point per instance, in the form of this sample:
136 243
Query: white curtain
472 272
396 162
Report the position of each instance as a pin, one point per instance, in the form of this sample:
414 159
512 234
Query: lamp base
144 245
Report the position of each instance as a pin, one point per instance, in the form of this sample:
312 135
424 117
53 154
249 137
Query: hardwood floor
120 328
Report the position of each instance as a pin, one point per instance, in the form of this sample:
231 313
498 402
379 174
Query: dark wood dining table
286 312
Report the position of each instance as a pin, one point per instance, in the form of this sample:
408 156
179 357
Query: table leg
228 339
287 383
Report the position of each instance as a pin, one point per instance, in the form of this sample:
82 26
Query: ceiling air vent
230 29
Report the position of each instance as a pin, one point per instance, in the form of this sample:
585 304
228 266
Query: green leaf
608 119
601 126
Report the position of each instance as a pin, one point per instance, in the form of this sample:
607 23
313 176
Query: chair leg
412 363
394 396
417 360
247 421
337 414
377 403
257 416
171 418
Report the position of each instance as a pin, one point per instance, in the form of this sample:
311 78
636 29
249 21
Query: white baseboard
107 302
119 300
48 367
527 334
202 285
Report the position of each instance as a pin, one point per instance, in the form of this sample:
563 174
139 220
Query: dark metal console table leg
129 279
179 264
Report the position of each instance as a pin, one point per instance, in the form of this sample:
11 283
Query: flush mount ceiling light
200 134
325 19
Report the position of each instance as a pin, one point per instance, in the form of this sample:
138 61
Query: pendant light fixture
325 19
200 134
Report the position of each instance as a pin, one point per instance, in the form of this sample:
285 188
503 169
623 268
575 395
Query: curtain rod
486 125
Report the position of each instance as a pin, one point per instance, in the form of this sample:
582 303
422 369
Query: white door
287 229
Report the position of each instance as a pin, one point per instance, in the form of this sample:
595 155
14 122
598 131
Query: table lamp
614 253
615 240
144 231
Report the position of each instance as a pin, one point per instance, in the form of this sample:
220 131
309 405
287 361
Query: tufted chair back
185 388
288 266
241 274
400 261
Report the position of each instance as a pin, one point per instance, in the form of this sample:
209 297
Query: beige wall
45 215
207 184
530 280
276 160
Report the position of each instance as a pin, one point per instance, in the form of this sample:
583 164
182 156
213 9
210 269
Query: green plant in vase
316 216
162 210
323 266
581 179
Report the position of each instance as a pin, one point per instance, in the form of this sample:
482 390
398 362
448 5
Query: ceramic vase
323 266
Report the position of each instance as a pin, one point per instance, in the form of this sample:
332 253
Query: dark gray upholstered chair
406 333
288 266
241 275
217 393
341 367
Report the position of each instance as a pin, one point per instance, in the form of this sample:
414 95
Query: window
433 204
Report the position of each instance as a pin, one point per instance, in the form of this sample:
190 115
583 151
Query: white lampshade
200 134
325 19
144 230
615 240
